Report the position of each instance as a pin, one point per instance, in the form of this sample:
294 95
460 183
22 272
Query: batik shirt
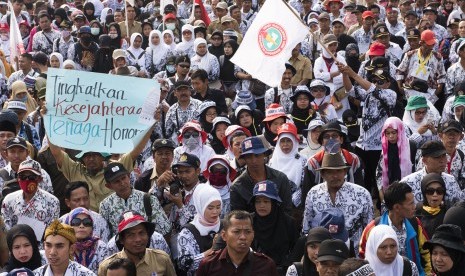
184 10
101 253
176 117
352 199
373 115
43 207
393 29
100 228
19 75
45 184
157 241
179 217
363 39
43 42
453 192
113 206
74 269
213 67
284 96
455 74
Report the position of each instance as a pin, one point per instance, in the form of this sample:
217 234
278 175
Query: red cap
334 1
4 26
428 37
366 14
273 112
288 128
377 49
231 130
169 16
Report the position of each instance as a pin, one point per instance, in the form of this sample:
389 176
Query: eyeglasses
417 112
334 136
188 135
213 114
27 177
77 222
431 191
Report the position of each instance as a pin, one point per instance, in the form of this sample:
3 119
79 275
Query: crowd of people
353 165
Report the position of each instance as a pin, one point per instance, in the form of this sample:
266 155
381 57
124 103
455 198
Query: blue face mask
24 100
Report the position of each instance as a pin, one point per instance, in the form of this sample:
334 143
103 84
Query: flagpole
126 16
310 30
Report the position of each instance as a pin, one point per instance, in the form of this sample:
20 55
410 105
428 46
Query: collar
225 256
299 57
154 174
394 227
145 259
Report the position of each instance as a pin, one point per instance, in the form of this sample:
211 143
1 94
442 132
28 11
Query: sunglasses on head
188 135
438 191
27 177
77 222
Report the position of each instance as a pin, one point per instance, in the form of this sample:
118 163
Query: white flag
16 42
269 41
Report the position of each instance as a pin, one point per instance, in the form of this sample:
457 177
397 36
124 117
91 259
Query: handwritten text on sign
98 112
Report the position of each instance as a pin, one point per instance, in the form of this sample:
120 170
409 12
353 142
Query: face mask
217 179
192 143
170 68
86 39
170 26
65 33
28 186
4 37
113 36
22 99
95 31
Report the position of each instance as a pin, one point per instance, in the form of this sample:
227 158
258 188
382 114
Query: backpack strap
299 267
141 54
148 206
407 267
131 54
196 233
277 98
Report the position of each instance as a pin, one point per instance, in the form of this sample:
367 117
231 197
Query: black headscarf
89 6
393 163
115 43
108 20
458 258
227 68
62 14
103 56
217 50
95 38
145 39
26 231
353 60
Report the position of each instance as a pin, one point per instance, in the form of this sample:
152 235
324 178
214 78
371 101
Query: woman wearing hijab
207 113
69 65
274 118
19 93
60 15
206 61
196 238
186 46
90 250
431 211
108 20
286 158
421 119
146 29
168 40
353 56
397 155
275 232
250 119
381 252
24 248
220 175
312 245
227 74
56 60
117 42
135 53
156 54
216 47
302 112
89 11
96 29
447 251
220 124
103 57
312 132
103 15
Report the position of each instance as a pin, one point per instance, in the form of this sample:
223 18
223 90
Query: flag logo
272 39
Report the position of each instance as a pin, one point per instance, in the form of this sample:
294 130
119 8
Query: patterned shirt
179 217
159 66
352 199
43 42
189 252
284 96
19 75
101 253
100 228
157 241
393 29
113 206
62 47
73 269
455 74
212 68
453 192
45 184
363 39
176 117
43 207
292 270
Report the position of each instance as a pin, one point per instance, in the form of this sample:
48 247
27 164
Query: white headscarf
172 46
409 119
158 51
103 15
204 61
185 45
59 57
135 51
377 236
287 163
69 62
204 195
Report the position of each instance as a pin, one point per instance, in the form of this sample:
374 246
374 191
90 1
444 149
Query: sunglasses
188 135
27 177
220 171
77 222
431 191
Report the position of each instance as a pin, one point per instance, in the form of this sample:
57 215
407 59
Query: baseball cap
413 33
367 14
20 272
84 30
163 143
253 145
411 12
359 8
428 37
380 30
16 142
182 83
333 220
266 188
318 234
451 125
453 21
30 165
169 8
226 18
222 5
113 171
377 49
430 9
169 16
433 149
118 53
337 20
323 15
333 250
187 160
16 105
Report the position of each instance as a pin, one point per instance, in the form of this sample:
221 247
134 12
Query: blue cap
253 145
84 29
333 220
266 188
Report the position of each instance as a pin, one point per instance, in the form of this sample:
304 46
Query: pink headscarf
403 146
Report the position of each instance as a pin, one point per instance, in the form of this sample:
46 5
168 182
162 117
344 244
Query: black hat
428 179
380 30
446 235
455 216
292 68
163 143
378 62
359 8
411 12
16 142
302 89
430 9
453 21
433 149
182 83
331 126
318 234
85 30
413 33
10 116
6 125
187 160
451 125
113 171
383 74
66 24
333 250
417 85
169 8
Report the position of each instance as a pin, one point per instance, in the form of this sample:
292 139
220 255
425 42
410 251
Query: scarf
216 50
377 236
227 68
85 250
23 230
409 120
396 158
205 61
135 51
432 210
302 117
185 45
288 163
171 46
224 191
205 194
59 57
269 136
158 51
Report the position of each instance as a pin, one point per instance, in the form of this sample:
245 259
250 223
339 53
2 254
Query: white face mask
95 31
192 143
5 37
170 26
113 36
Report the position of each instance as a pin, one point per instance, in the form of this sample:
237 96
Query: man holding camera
125 198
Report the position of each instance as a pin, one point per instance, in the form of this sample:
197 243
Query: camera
176 185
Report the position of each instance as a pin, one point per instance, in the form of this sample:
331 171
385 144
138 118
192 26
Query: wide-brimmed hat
417 85
333 161
220 159
448 236
416 102
231 130
253 145
195 126
130 219
206 105
332 126
273 112
301 89
312 125
320 82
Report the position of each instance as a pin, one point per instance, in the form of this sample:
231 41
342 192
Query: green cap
416 102
41 93
460 100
